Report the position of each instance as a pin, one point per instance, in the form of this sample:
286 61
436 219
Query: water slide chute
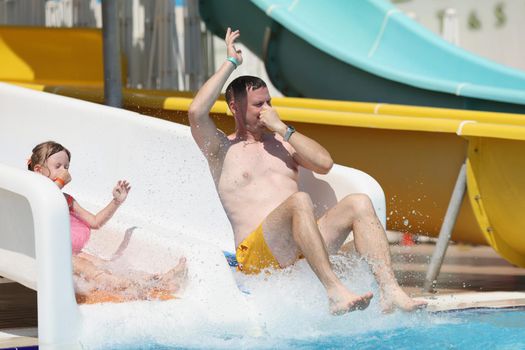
173 203
364 51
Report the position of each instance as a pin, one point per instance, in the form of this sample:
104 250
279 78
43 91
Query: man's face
253 104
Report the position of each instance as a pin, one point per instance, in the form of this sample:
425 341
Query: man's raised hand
230 38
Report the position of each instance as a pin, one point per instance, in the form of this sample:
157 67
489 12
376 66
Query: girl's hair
43 151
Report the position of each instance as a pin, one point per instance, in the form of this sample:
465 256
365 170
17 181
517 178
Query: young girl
94 281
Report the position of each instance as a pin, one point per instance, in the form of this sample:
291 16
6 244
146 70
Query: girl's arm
120 193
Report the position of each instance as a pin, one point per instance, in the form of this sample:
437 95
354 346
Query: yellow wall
52 56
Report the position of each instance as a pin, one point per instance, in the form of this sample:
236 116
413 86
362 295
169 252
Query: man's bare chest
247 163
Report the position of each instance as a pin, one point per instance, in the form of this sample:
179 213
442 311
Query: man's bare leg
355 212
290 230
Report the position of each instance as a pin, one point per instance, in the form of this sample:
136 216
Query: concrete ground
471 276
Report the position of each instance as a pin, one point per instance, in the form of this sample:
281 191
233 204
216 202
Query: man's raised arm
203 129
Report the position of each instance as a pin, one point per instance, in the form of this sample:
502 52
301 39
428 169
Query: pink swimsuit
80 231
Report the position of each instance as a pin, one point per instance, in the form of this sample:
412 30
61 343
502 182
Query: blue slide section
364 50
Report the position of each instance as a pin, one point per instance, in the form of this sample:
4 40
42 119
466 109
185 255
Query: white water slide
173 204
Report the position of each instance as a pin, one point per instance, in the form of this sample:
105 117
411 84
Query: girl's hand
121 190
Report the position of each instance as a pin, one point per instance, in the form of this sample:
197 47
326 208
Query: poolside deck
467 272
466 268
18 315
471 276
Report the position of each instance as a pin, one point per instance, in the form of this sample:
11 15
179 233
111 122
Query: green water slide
364 50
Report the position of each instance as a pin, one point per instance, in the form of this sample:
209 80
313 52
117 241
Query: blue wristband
233 60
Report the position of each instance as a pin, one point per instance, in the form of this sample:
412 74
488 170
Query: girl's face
55 165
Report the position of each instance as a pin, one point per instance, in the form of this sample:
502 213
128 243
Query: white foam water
272 310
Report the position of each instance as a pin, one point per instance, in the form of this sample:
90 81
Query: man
255 172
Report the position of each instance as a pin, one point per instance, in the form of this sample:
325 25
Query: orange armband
60 181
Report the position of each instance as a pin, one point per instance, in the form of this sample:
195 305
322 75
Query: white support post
446 230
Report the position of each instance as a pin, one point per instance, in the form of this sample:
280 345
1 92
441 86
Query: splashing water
284 307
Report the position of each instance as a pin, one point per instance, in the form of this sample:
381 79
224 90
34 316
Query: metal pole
112 69
446 230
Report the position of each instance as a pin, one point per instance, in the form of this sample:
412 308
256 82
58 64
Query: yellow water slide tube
415 153
400 110
495 162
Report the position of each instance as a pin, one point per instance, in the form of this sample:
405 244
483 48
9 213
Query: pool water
479 329
471 329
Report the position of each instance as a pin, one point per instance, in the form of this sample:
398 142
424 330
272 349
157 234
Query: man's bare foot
400 300
342 301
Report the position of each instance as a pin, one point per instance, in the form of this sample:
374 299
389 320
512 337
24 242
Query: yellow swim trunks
254 255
